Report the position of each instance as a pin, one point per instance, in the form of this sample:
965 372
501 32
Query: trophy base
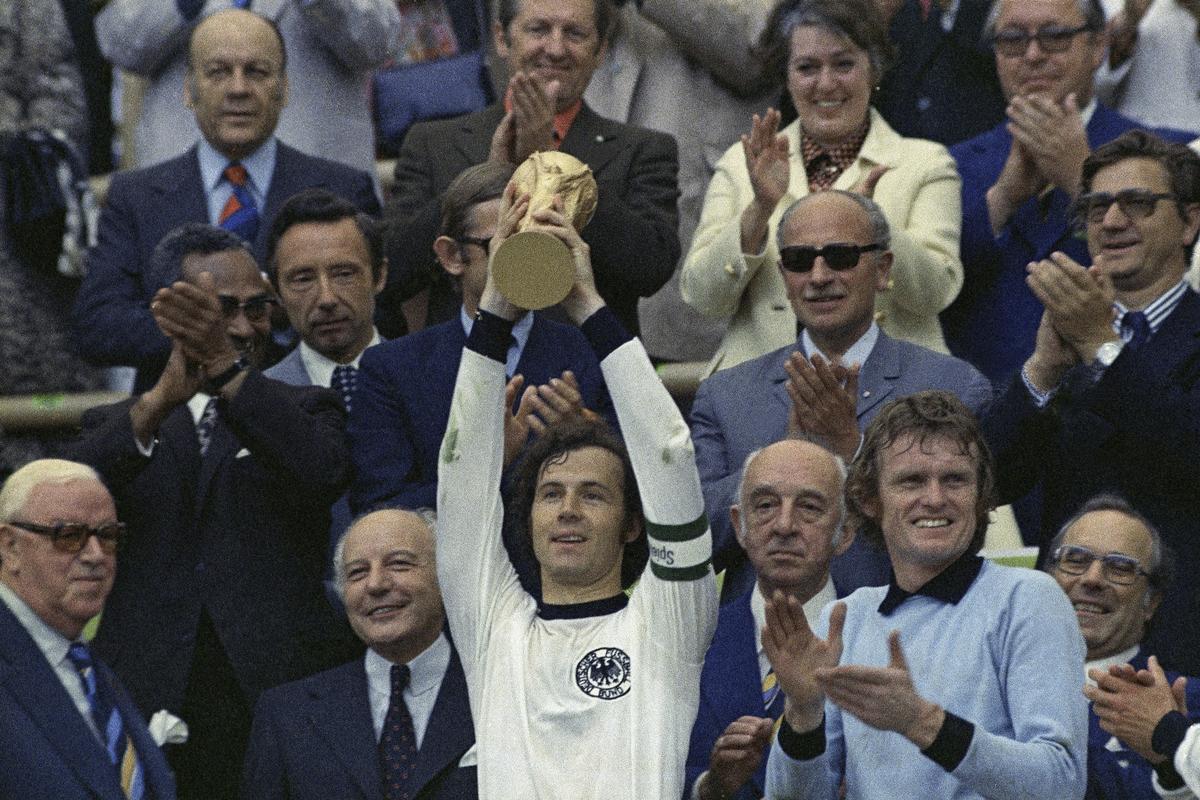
533 270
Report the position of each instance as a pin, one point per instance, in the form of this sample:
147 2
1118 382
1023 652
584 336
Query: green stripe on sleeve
679 573
678 533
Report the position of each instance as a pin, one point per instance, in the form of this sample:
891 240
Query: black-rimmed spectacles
71 537
838 257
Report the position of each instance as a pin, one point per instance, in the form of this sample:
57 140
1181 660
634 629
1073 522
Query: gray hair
839 531
881 234
1091 11
427 515
14 495
1162 557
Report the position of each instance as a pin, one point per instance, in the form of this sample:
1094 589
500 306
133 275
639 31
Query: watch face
1108 352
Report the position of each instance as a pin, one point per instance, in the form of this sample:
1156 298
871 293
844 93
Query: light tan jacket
921 197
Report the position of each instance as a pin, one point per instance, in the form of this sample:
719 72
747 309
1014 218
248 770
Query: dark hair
322 205
857 21
191 238
1162 557
1091 11
268 20
552 447
472 186
605 15
923 416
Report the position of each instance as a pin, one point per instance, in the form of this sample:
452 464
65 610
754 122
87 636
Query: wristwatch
217 382
1107 353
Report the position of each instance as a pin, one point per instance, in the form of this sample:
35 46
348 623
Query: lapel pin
599 138
866 392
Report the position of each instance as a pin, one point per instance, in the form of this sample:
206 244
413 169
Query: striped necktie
240 214
108 721
398 741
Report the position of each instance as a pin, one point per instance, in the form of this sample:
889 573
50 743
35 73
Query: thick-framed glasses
71 537
1116 568
255 309
1134 203
1012 43
839 257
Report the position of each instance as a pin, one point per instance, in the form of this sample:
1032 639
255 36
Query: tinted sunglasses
838 257
255 309
71 537
1134 203
1013 43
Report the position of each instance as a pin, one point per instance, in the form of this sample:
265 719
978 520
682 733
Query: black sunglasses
1134 203
1013 43
71 537
838 257
255 308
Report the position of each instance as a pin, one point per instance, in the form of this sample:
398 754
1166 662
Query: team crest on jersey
603 673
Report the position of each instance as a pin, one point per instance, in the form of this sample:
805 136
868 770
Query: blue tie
398 741
345 377
1137 329
108 721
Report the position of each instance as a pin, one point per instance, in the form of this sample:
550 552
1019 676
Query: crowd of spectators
365 528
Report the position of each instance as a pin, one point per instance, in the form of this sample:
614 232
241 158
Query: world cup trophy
533 269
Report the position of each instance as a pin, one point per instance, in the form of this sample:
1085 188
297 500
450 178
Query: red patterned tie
240 214
926 7
398 742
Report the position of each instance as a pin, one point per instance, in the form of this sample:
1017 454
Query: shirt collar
948 586
562 120
53 644
425 671
594 608
197 404
1158 310
320 367
520 328
1086 114
260 165
857 353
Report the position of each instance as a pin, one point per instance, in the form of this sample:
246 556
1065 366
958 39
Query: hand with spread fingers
824 402
540 407
1131 704
513 207
768 163
884 697
190 314
735 757
1053 135
797 654
533 115
1079 301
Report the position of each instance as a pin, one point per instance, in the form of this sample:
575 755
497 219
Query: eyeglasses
1134 203
71 537
1012 43
255 309
478 241
838 257
1116 568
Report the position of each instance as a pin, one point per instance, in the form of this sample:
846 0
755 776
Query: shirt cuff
802 746
1168 778
490 336
1168 734
604 332
950 745
1040 398
146 450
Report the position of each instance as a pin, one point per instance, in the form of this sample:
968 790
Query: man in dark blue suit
237 176
1019 178
68 730
830 384
1110 397
789 518
333 734
402 401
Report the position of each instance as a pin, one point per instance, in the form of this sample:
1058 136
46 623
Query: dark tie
206 425
344 378
108 721
240 214
398 742
1135 325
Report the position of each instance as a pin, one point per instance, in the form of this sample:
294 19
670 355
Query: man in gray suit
834 258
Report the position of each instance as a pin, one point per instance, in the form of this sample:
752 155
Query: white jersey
599 707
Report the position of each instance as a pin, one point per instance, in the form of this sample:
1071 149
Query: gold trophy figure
533 270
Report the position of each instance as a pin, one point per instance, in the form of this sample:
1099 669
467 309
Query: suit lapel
474 135
222 447
592 140
33 684
339 713
450 732
877 376
156 775
730 683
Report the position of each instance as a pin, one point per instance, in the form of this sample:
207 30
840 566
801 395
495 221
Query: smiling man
1019 178
338 733
958 679
1113 566
828 385
226 478
1109 397
237 176
551 47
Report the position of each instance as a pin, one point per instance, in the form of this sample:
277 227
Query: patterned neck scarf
824 166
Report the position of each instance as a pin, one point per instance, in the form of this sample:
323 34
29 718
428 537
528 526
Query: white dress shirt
425 679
